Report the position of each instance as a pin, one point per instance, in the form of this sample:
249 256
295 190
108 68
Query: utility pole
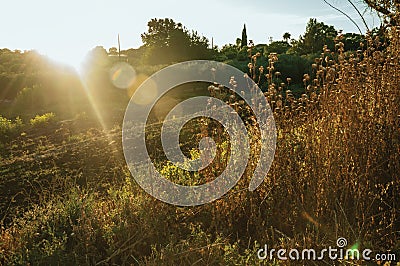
119 49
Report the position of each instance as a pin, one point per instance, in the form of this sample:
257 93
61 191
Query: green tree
167 42
352 41
286 36
229 51
238 43
316 36
279 47
97 56
244 36
293 66
96 70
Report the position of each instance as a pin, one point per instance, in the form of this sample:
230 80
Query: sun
67 58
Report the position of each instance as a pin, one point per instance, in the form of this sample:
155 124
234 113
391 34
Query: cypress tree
244 36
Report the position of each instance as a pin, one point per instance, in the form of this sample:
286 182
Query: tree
279 47
167 42
97 57
96 70
238 43
229 51
113 51
316 36
286 36
244 36
352 41
293 66
159 31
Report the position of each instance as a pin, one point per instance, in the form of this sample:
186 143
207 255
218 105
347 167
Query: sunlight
73 60
93 104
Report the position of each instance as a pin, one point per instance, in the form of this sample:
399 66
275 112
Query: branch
378 8
359 13
337 9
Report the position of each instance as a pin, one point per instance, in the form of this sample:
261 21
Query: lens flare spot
122 75
140 78
146 95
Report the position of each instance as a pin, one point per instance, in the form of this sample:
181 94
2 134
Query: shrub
44 119
8 127
293 66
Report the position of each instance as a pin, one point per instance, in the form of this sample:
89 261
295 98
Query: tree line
164 43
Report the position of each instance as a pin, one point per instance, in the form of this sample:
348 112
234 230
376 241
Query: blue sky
66 30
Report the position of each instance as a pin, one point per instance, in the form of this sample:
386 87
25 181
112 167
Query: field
67 196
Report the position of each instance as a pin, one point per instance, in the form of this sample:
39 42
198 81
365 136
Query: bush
243 55
40 120
31 100
293 66
9 127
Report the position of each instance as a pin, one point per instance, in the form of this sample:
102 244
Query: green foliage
200 246
244 37
52 231
167 42
8 126
352 41
243 55
18 70
293 66
136 56
316 36
279 47
41 120
228 52
286 36
96 71
28 99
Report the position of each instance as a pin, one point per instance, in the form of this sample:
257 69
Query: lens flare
122 75
145 97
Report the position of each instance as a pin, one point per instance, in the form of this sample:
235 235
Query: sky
66 30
